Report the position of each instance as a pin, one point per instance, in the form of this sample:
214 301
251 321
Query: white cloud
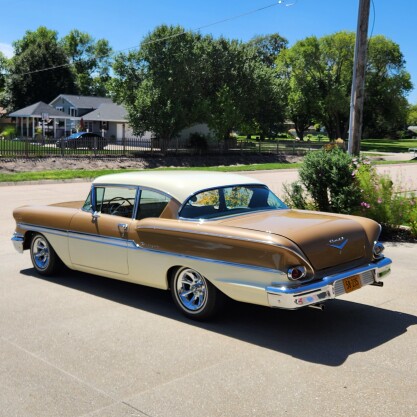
6 49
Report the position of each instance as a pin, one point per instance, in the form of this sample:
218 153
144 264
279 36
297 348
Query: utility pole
358 79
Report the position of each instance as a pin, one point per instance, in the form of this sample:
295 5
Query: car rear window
226 201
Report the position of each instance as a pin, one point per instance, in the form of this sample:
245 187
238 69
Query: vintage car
204 236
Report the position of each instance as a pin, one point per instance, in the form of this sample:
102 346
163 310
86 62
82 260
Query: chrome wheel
194 295
191 288
44 258
40 253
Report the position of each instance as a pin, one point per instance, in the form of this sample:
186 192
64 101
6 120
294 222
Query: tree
38 71
320 77
160 84
179 78
3 69
386 85
228 86
268 47
301 83
90 62
412 115
267 103
243 91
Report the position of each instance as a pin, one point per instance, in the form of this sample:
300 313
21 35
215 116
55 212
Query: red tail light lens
297 272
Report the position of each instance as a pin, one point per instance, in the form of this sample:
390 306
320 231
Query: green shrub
383 201
326 183
331 180
9 132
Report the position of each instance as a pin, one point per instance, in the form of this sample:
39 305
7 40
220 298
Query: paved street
79 345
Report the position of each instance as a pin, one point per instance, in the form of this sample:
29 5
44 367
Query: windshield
227 201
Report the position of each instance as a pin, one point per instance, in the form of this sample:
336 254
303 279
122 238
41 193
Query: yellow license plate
352 283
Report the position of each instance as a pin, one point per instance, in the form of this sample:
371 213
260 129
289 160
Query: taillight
297 272
378 250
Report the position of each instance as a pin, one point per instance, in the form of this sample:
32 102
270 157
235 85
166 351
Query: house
93 114
68 113
29 118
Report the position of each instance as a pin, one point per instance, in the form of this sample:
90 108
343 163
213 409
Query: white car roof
178 184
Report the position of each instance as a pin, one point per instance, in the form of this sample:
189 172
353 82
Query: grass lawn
87 174
388 145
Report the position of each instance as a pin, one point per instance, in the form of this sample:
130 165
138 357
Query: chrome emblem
338 243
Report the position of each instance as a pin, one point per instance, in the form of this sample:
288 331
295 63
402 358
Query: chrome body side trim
18 240
267 242
42 229
134 246
291 297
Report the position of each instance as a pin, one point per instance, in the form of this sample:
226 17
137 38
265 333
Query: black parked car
83 140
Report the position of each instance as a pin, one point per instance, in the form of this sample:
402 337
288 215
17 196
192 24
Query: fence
137 147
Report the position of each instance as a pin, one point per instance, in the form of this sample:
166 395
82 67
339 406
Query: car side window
88 206
117 201
151 204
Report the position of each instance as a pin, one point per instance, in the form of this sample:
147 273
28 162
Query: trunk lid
326 239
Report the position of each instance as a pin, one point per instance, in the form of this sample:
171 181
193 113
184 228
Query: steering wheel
116 203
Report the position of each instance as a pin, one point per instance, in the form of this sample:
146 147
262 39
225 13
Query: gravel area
48 164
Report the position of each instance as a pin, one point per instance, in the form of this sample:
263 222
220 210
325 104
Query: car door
98 235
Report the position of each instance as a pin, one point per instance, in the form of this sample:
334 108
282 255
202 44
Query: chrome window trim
94 198
228 216
203 190
138 189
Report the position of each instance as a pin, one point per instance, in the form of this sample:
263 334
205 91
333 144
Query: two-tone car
204 236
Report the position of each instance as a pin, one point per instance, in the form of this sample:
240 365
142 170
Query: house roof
83 102
110 112
36 110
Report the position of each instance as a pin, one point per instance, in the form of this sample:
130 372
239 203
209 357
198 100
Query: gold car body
247 256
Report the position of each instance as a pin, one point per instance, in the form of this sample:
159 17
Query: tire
194 295
44 258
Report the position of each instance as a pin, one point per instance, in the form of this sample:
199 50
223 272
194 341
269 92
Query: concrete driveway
81 345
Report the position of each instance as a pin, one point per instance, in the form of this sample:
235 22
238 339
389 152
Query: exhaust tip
320 307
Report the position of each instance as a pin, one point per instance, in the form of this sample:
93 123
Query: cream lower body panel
150 267
240 282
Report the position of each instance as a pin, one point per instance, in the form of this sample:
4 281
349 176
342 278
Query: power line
228 19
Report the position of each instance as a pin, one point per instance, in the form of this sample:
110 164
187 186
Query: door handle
122 228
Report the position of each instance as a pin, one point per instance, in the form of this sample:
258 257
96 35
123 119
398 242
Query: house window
73 111
88 126
60 108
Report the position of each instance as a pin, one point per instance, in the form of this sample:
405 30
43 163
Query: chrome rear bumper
18 240
327 288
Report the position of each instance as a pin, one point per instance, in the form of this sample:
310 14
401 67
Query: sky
124 23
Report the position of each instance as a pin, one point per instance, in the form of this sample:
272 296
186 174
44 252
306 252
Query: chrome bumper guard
18 240
290 297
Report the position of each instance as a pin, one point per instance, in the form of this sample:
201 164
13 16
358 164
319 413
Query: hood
326 239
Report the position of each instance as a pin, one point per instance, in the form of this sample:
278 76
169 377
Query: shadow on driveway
327 338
